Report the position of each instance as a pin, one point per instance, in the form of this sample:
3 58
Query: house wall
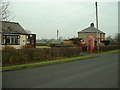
23 40
84 36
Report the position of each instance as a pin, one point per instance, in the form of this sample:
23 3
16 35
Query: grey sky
44 18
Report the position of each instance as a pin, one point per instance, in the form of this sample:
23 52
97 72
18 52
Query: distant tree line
60 39
114 40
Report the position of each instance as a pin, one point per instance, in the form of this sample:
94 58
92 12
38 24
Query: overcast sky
45 18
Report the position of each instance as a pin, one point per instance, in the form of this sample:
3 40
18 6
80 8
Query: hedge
11 57
107 48
21 56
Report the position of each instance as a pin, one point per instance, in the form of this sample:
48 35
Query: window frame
13 39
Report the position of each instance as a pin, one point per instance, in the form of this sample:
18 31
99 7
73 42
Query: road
99 72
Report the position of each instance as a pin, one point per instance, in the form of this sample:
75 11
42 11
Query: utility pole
57 34
97 35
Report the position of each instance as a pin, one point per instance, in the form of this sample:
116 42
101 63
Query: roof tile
11 27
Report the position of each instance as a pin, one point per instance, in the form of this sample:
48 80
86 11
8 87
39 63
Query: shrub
27 46
62 45
107 48
106 42
21 56
8 48
38 54
41 44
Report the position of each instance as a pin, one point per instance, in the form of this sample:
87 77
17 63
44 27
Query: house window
11 40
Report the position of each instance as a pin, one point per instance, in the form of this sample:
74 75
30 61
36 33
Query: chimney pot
92 25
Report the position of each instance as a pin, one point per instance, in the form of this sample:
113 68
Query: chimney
92 25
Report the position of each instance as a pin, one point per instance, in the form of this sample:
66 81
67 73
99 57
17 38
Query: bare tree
5 10
117 38
111 39
114 40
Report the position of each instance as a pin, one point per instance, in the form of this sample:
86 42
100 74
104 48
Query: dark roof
90 29
11 27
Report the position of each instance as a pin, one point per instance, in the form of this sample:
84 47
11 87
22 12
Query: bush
8 48
21 56
109 47
61 45
11 57
41 44
106 42
27 46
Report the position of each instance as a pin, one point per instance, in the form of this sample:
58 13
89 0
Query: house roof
11 27
90 29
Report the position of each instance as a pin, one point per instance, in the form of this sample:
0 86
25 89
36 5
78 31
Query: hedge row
107 47
47 44
31 55
11 57
41 44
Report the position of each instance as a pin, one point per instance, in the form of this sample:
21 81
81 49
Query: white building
12 34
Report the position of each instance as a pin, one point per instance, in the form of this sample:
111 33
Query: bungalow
12 34
91 31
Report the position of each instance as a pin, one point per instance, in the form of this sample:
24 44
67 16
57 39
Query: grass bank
111 51
46 62
42 47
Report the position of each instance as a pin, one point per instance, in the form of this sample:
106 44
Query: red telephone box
90 44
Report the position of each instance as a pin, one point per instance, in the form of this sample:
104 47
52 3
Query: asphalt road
99 72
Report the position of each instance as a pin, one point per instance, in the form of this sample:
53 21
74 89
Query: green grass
46 62
111 51
42 47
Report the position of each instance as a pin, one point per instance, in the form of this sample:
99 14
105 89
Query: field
42 47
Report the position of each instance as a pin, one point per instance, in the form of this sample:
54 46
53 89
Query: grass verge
13 67
111 51
42 47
